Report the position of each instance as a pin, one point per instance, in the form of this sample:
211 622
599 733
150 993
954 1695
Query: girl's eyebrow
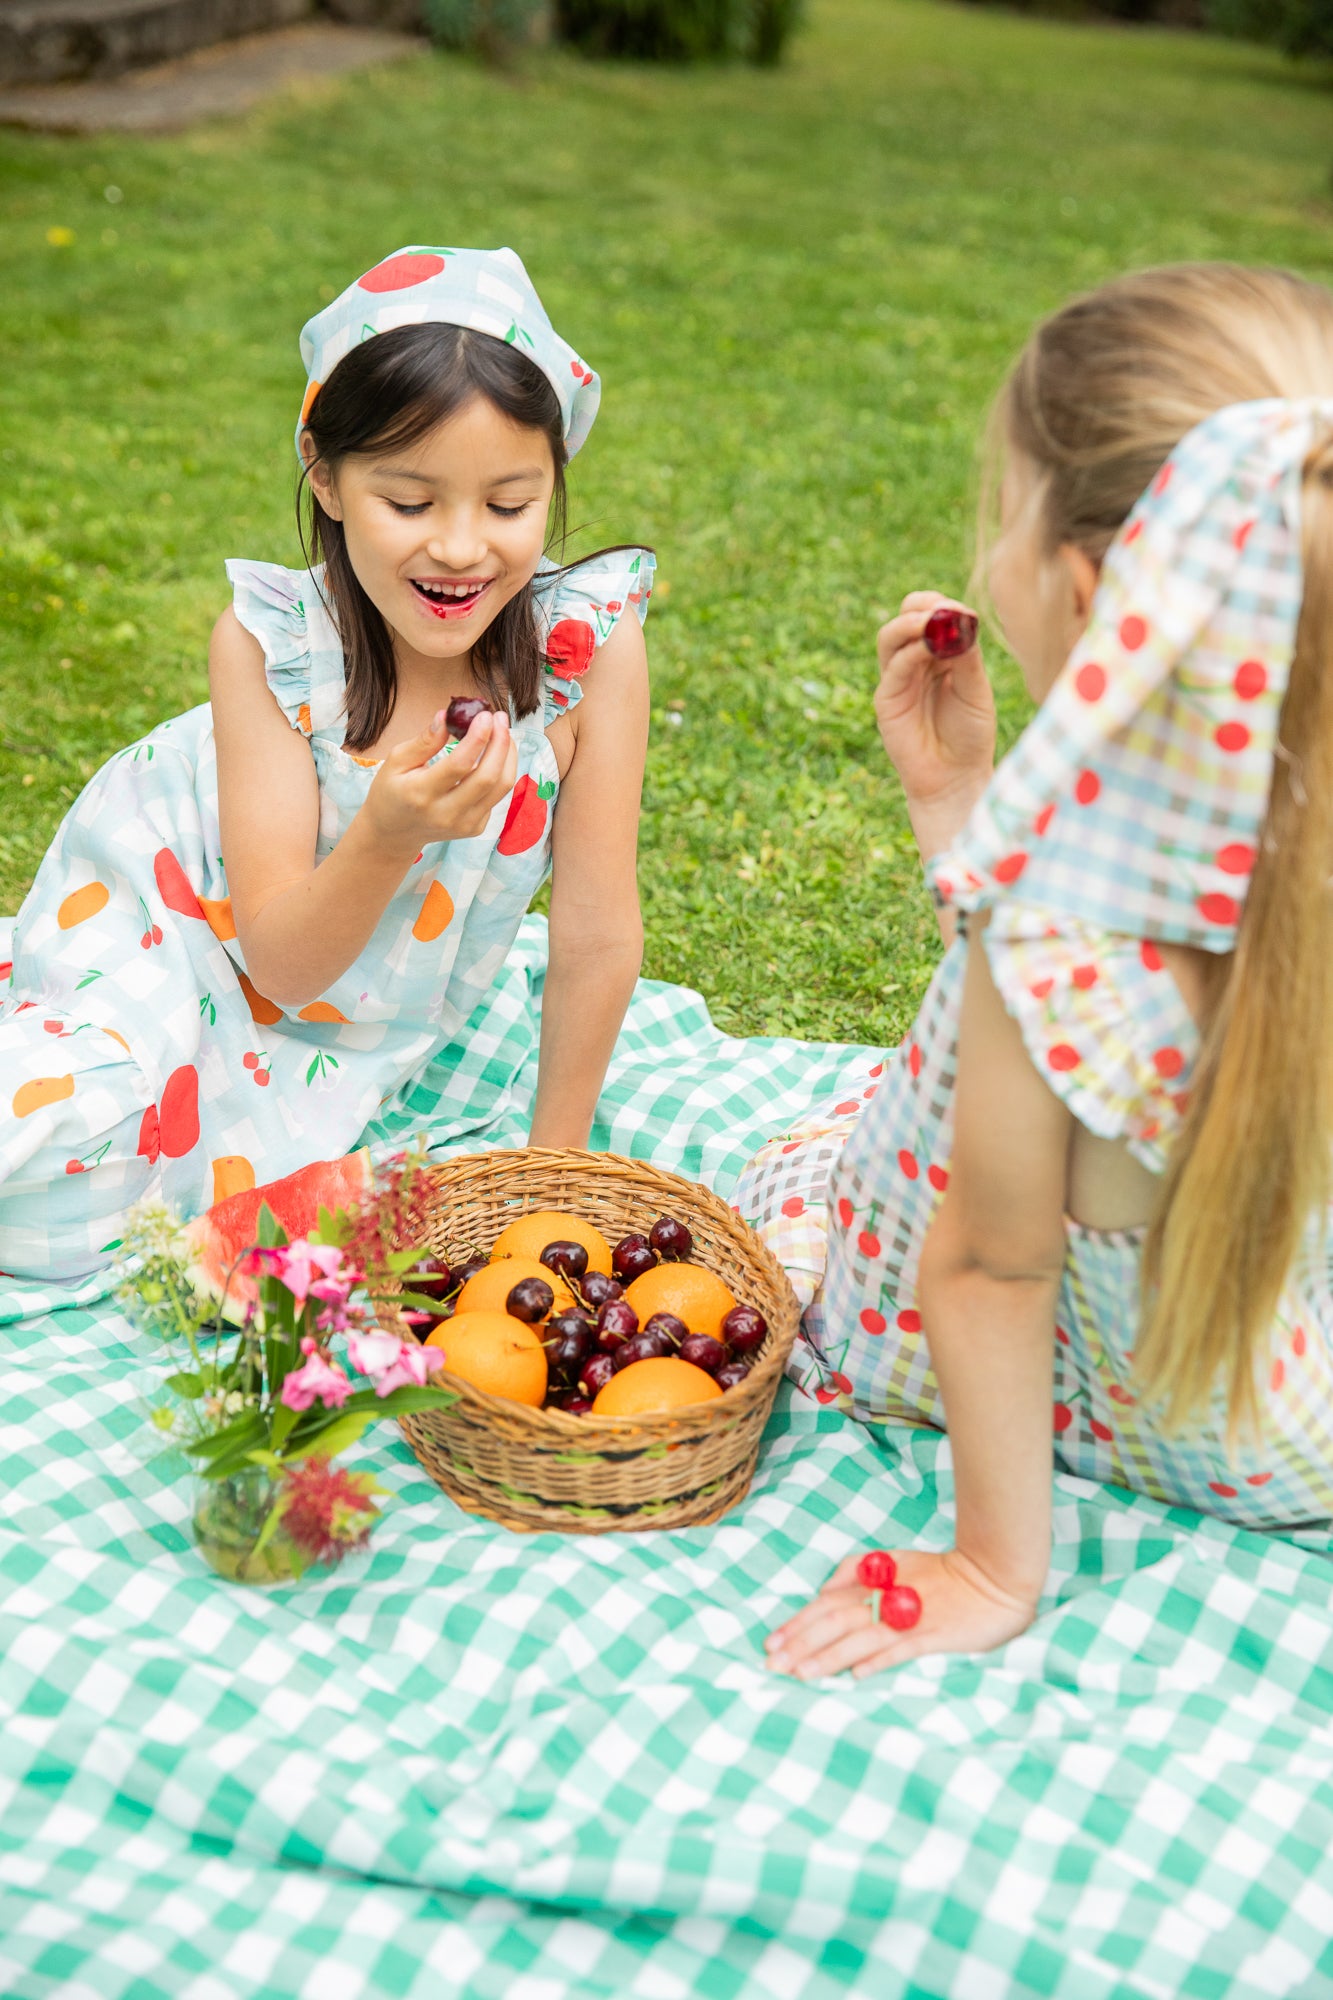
423 479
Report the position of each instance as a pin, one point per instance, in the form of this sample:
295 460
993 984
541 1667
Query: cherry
74 1167
674 1329
643 1346
595 1373
567 1354
250 1060
574 1405
744 1329
531 1299
598 1289
731 1374
899 1607
569 1259
470 1269
949 632
462 712
702 1351
631 1258
616 1321
670 1238
877 1570
261 1077
432 1278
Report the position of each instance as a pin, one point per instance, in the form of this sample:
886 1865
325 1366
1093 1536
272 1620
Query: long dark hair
385 395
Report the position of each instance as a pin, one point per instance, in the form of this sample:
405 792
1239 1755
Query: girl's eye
509 513
417 507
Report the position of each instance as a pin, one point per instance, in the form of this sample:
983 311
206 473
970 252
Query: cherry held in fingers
462 712
949 632
877 1570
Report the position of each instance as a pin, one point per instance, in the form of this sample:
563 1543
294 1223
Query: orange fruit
38 1092
435 915
81 904
490 1288
529 1236
494 1352
687 1290
646 1386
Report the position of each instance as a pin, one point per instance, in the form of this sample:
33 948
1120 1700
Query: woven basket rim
554 1424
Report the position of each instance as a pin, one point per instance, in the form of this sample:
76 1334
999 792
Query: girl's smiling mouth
443 599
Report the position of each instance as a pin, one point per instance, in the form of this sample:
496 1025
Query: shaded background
801 287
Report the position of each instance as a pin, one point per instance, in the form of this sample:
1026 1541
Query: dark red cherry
667 1323
731 1374
631 1258
744 1329
470 1269
877 1570
462 712
432 1278
643 1346
420 1322
531 1299
569 1259
950 631
702 1351
598 1289
574 1405
670 1238
616 1321
568 1323
565 1356
595 1373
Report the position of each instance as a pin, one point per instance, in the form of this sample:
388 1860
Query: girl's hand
962 1611
937 722
413 802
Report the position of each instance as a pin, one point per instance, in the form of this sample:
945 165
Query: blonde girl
1087 1209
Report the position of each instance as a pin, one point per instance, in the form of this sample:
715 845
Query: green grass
801 289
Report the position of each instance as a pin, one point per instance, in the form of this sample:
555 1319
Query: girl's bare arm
300 925
596 928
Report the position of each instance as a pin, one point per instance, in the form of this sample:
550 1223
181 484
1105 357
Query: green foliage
679 30
1298 27
494 27
801 292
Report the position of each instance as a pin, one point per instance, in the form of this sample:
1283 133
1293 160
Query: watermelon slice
218 1237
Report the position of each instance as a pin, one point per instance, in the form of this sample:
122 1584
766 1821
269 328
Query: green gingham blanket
520 1768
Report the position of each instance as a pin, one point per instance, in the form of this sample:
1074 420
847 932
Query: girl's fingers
826 1614
842 1576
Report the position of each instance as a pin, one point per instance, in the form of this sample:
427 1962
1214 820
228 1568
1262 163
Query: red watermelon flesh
218 1237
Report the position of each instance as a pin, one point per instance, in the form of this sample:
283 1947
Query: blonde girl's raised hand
936 720
414 801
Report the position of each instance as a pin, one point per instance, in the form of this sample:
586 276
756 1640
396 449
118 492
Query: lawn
801 289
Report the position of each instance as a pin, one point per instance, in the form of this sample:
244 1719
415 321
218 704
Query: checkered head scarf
1134 799
487 290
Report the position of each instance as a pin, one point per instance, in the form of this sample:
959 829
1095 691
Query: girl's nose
457 542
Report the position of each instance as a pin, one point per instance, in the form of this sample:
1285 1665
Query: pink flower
317 1378
414 1367
372 1353
301 1260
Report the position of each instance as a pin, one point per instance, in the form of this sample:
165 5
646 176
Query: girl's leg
76 1150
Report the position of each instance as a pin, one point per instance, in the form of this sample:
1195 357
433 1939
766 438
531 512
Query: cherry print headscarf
1134 799
488 290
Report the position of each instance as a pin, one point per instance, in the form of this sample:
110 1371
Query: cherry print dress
137 1056
1129 813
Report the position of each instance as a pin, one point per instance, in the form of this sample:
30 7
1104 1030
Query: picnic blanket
523 1767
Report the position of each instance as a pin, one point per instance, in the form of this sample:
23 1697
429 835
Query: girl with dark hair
259 927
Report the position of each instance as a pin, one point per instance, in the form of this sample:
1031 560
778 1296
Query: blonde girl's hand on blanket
937 722
963 1610
413 801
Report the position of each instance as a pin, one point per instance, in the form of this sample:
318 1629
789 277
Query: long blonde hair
1099 398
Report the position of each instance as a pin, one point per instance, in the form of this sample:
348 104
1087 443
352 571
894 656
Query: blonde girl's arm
300 925
987 1291
596 930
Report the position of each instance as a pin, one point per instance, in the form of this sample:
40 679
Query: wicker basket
545 1469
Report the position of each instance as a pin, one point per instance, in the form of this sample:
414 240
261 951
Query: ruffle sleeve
1103 1022
577 611
270 602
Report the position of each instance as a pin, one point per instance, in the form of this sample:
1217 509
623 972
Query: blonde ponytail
1098 401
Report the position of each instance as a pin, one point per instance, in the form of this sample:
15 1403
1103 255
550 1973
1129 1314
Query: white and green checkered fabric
524 1768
